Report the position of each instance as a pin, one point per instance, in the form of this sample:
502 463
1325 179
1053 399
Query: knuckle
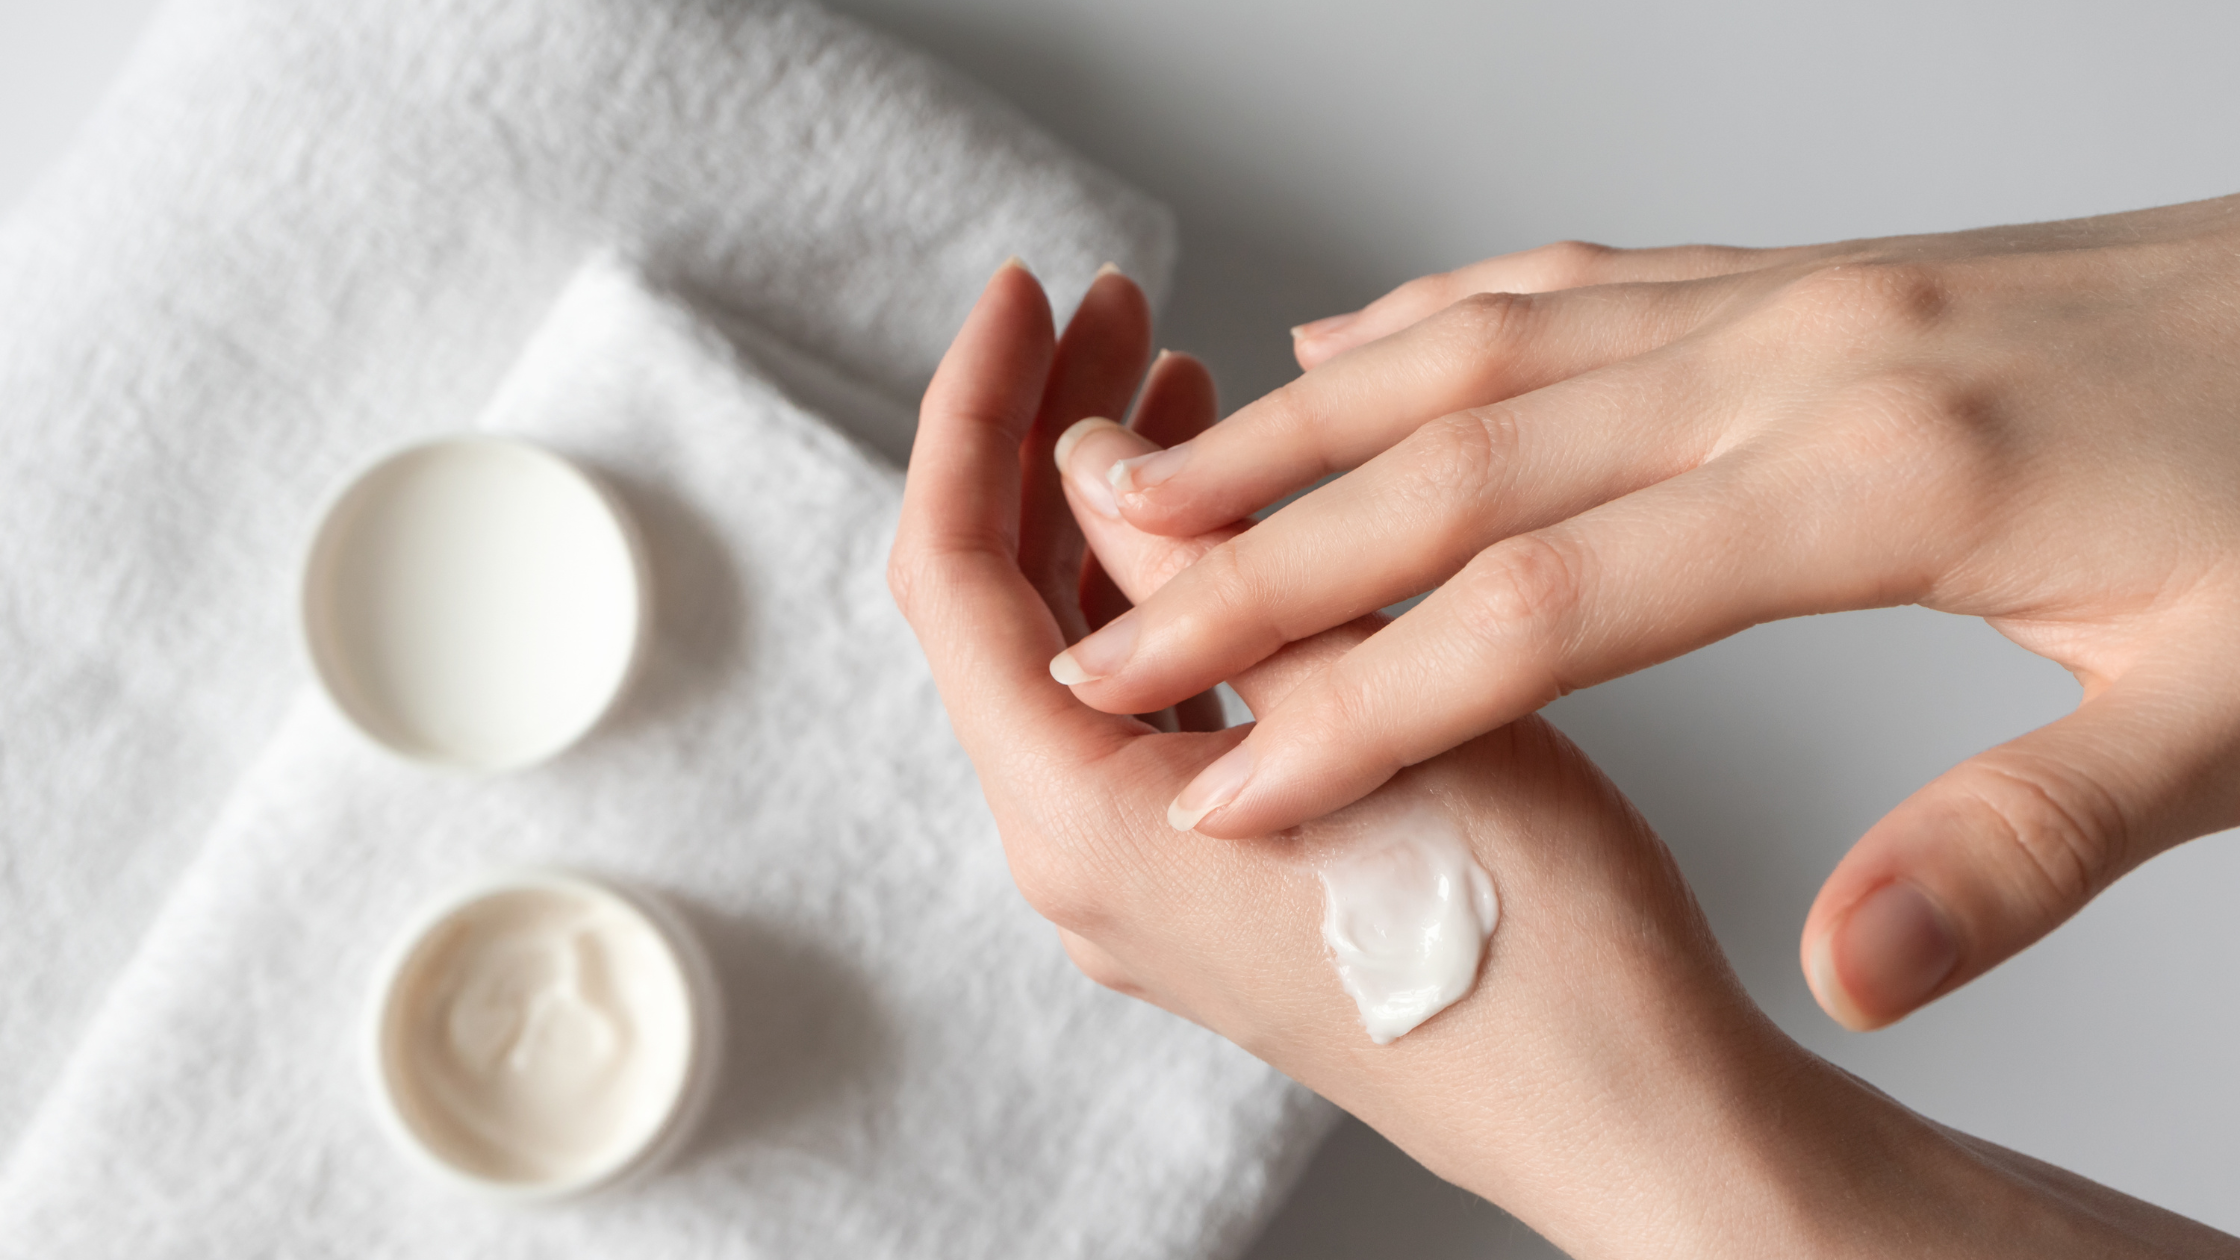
1918 434
1231 592
1294 414
1338 722
1477 321
1059 886
2067 835
905 577
1099 966
1459 459
1527 584
1858 300
1955 417
1571 264
1169 563
1439 288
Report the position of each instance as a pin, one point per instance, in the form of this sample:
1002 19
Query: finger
954 570
1481 350
1139 564
2009 844
1094 372
1639 580
1178 402
1400 525
1562 265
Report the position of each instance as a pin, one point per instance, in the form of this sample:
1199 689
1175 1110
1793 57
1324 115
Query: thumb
2006 846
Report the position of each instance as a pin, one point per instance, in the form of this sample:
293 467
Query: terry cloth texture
299 234
914 1068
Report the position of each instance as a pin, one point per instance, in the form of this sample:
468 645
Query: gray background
1319 153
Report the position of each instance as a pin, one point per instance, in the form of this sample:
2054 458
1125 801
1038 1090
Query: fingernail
1891 951
1013 261
1215 786
1323 327
1100 655
1093 489
1072 437
1109 269
1130 476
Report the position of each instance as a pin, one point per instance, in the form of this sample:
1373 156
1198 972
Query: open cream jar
539 1034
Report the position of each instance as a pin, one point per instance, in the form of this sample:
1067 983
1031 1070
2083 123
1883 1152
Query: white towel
916 1069
302 231
299 233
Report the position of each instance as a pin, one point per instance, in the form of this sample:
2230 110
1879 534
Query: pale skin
1607 1080
1599 459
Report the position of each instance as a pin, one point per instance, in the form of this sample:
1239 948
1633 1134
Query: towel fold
915 1069
299 232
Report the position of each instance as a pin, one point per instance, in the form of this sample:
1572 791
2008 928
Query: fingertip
1316 329
1820 977
1141 513
1072 437
1884 957
1013 285
1135 477
1178 400
996 364
1212 789
1110 280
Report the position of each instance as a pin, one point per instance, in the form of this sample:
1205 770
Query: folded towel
915 1068
299 232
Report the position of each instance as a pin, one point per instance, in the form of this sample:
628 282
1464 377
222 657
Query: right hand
1607 1081
1597 460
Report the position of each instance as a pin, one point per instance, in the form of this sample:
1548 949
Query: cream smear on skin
538 1035
1407 913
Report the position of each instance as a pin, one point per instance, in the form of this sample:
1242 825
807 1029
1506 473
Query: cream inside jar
542 1034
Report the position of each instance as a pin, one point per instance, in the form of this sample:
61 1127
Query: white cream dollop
1407 913
538 1036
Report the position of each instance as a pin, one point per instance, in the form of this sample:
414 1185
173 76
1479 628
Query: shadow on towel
698 624
802 1035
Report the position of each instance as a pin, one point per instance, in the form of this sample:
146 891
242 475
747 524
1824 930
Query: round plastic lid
475 602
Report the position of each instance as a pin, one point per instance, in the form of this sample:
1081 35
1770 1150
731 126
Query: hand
1606 1080
1602 459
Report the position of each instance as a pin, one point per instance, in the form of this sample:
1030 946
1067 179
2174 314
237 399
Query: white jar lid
475 602
538 1034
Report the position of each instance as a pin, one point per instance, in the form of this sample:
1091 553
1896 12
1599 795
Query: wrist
1734 1141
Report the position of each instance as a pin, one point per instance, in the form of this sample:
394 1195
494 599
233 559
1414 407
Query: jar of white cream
539 1034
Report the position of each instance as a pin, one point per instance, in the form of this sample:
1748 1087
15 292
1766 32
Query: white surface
1320 152
538 1034
914 1067
474 603
302 234
1406 913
